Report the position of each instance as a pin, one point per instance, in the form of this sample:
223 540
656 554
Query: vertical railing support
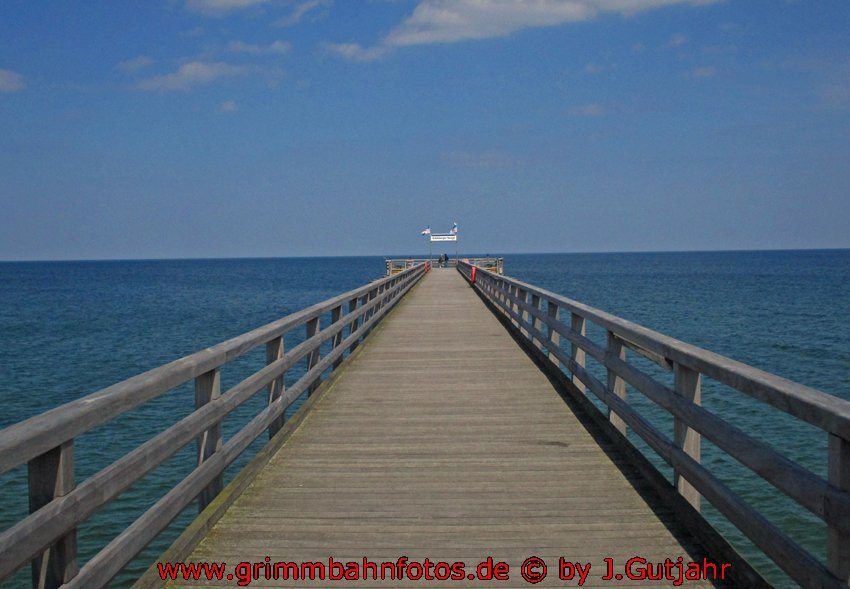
579 327
522 295
336 313
352 327
513 290
371 296
554 336
838 540
274 352
51 475
207 389
535 322
616 384
686 383
313 356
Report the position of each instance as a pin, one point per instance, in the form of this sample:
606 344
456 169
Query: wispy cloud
677 40
277 47
587 110
301 10
451 21
11 81
194 73
135 64
355 52
228 106
221 7
707 71
592 69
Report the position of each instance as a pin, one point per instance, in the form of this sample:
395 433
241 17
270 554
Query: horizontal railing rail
395 265
45 442
544 317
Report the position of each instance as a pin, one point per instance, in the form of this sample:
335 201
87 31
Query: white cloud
301 10
355 52
11 81
228 106
194 73
708 71
588 110
135 64
278 47
451 21
219 7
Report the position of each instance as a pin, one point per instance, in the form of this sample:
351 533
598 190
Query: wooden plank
686 385
838 539
51 475
554 337
336 313
616 384
535 322
578 326
352 326
207 390
274 352
311 330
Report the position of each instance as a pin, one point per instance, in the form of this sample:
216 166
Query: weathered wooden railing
396 265
531 309
47 537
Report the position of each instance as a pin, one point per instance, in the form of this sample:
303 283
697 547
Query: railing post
352 327
578 326
686 383
369 314
838 541
313 356
513 291
380 297
51 475
336 313
522 295
554 336
535 322
207 389
616 384
274 352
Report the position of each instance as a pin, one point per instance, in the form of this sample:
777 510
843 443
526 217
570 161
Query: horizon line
418 256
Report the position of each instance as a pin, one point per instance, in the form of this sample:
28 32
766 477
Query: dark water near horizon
70 328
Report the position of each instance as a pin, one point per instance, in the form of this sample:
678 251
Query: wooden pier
444 440
449 418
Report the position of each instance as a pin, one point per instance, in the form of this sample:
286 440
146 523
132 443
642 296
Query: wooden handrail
38 440
522 305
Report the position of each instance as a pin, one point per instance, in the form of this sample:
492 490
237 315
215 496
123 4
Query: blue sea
70 328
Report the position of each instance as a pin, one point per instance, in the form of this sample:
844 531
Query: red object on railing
427 266
472 275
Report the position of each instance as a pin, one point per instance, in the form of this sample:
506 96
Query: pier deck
442 439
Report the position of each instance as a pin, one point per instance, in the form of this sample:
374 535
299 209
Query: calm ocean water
70 328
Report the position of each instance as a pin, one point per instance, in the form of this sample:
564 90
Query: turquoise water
70 328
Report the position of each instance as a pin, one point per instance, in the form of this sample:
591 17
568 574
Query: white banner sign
448 237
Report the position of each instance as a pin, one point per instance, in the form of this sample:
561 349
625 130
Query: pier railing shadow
47 537
540 318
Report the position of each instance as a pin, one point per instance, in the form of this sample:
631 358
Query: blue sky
228 128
